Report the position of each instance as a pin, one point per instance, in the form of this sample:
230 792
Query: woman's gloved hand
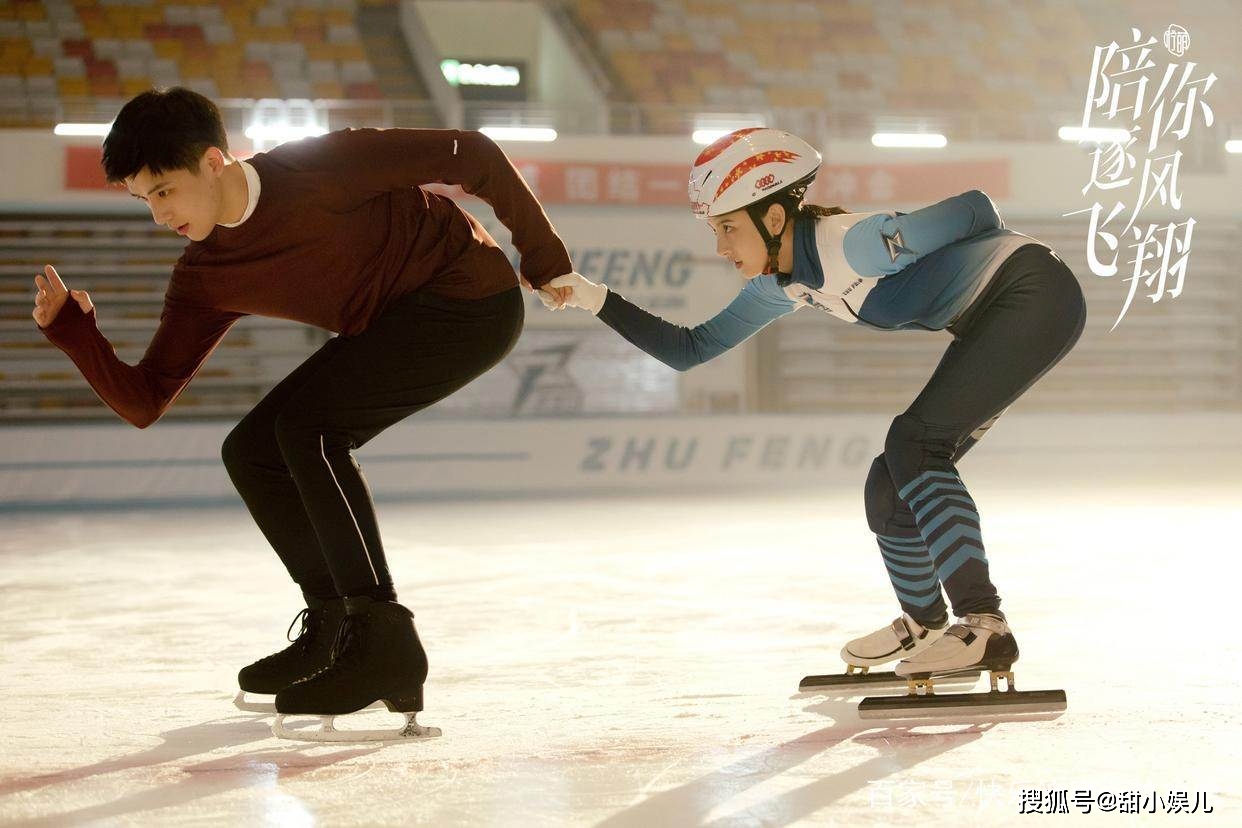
582 293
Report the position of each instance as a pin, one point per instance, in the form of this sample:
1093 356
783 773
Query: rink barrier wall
178 464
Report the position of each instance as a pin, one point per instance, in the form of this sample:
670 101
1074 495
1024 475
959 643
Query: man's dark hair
162 130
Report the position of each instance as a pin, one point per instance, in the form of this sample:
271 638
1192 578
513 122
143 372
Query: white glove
583 293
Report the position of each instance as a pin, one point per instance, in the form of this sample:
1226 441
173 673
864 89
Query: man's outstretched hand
551 297
52 296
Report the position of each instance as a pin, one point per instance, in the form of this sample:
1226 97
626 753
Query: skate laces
348 640
304 617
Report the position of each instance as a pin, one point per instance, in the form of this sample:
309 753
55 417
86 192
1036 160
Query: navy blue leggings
925 521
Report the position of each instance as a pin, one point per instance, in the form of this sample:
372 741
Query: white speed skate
978 641
902 638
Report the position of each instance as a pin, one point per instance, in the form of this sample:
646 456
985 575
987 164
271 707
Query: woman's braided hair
817 211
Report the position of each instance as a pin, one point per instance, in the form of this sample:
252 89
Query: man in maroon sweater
335 232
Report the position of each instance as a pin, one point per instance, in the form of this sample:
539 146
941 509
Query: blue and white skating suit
886 270
926 270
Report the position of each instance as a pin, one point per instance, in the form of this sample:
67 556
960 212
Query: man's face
180 200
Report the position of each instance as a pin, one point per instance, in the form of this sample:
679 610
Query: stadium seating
992 77
1017 70
57 52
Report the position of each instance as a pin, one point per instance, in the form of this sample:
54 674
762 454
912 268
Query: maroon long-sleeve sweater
340 230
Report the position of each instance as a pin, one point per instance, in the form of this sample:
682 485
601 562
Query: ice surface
624 661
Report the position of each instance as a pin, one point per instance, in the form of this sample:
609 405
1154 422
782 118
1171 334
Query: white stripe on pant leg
983 429
365 551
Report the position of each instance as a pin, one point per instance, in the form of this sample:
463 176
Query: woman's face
738 240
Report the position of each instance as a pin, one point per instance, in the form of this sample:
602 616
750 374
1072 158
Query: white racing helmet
748 169
747 166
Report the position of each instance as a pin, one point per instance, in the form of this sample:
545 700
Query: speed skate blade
885 680
327 731
952 705
251 705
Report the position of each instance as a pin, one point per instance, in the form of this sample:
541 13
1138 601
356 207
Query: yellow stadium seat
196 69
272 34
320 51
233 88
19 49
197 52
38 66
305 17
239 16
221 72
793 96
263 88
97 28
230 52
31 11
166 48
686 95
105 88
129 29
678 43
135 86
72 87
348 51
328 89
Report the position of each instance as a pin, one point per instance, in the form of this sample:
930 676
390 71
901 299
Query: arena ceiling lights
711 126
708 136
480 74
915 140
280 133
100 130
1093 135
508 133
276 120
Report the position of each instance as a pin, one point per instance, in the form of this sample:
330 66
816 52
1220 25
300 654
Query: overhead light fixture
100 130
1234 146
283 132
710 127
919 140
499 133
480 74
1093 135
709 136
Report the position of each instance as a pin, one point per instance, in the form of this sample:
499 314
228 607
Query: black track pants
290 457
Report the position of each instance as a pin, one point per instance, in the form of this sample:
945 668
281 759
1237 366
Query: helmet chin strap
773 244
